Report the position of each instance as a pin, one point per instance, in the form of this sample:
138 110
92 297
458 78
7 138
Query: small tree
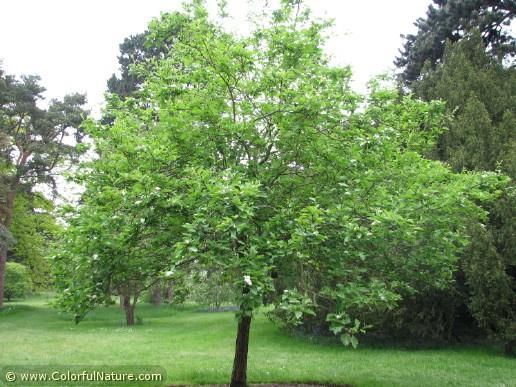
211 287
17 281
35 230
118 240
262 159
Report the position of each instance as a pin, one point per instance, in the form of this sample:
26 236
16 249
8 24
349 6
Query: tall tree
138 49
451 20
36 142
480 95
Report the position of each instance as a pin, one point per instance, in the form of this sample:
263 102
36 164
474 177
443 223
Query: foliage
136 50
18 283
210 287
35 230
250 156
480 95
114 242
291 308
451 20
38 138
34 142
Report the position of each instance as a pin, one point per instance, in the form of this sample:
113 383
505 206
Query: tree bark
239 374
129 310
7 221
3 259
156 294
168 294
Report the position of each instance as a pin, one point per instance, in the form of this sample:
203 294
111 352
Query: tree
36 142
479 92
136 50
210 287
452 20
114 242
480 97
35 230
262 158
17 281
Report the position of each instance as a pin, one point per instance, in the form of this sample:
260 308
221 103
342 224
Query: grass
197 348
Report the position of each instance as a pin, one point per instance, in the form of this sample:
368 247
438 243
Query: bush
210 287
18 283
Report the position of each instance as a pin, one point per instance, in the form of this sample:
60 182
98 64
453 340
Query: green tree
117 240
17 281
36 142
35 230
451 20
137 50
480 95
262 158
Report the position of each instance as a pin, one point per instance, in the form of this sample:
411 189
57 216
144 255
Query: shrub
18 283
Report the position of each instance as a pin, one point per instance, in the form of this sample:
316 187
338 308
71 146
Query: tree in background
137 50
140 267
118 239
452 20
18 283
480 95
35 142
35 230
210 287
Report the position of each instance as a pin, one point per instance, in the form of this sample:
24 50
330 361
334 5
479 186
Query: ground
197 348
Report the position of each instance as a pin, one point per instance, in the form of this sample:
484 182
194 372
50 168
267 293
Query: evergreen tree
136 50
35 142
480 95
451 20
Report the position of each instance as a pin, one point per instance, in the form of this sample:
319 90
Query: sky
73 44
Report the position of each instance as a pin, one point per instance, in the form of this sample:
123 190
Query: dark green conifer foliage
451 20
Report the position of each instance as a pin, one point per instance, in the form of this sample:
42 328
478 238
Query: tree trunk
7 221
168 294
3 259
510 347
129 310
239 374
155 296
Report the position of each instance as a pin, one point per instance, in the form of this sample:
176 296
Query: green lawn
197 348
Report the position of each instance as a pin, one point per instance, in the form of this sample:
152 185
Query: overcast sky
73 44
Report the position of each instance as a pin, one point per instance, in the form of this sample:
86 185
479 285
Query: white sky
73 44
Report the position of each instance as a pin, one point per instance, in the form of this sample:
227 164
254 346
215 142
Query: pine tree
452 20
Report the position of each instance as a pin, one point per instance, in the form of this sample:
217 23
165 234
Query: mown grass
197 348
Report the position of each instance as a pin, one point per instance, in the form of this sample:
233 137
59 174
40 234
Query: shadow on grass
10 309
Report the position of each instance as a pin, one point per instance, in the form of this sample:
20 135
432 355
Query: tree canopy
252 155
479 92
35 141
